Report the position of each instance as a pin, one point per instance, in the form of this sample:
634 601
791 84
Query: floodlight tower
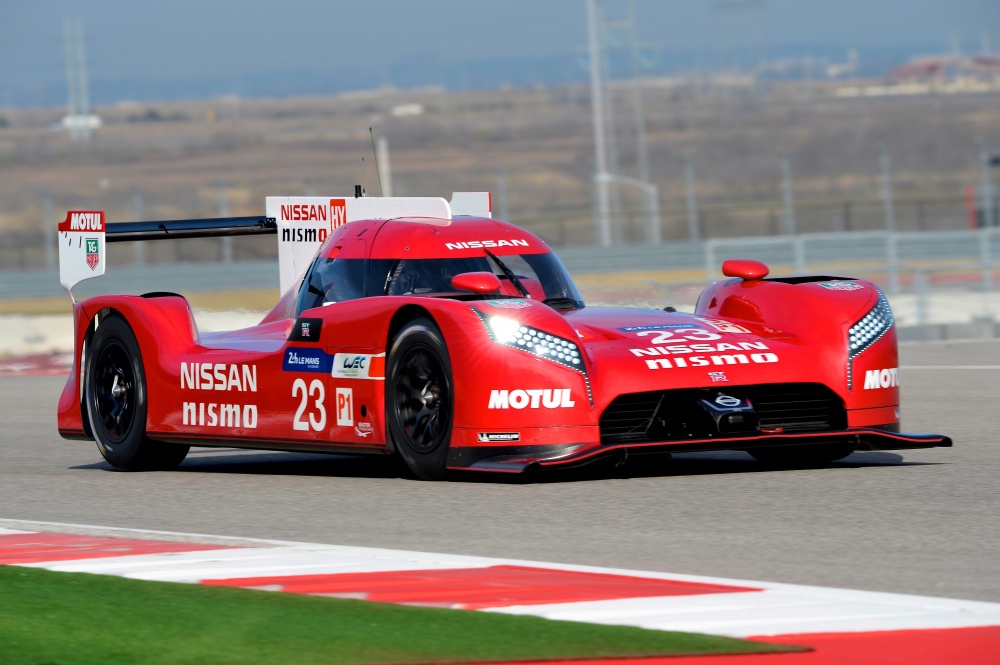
602 177
79 122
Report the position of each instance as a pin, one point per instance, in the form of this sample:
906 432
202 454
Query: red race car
426 329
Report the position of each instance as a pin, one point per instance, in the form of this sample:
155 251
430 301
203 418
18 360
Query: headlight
510 332
870 328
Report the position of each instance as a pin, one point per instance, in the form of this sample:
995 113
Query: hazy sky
177 40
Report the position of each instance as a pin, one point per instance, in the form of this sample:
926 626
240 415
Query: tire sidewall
419 334
124 453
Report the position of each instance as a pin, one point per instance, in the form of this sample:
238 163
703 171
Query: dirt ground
532 148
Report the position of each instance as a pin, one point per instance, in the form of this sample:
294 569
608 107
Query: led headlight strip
509 332
867 331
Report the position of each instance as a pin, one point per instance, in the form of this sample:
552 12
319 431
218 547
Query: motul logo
882 378
86 221
547 398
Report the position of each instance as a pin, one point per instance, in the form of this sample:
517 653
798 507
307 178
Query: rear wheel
419 398
803 455
116 401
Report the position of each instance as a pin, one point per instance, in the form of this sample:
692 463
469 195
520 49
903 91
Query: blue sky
228 46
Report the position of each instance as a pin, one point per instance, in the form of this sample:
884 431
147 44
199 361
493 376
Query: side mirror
477 282
748 269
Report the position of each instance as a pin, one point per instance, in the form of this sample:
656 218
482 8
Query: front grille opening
675 415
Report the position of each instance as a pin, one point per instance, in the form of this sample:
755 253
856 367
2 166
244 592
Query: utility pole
227 242
890 217
786 177
603 220
139 214
79 122
502 212
987 198
653 233
690 188
49 234
384 167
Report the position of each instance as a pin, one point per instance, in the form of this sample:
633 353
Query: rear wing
301 223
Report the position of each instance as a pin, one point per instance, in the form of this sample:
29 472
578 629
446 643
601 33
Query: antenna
377 171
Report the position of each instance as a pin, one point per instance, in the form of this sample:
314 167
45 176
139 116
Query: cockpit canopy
423 259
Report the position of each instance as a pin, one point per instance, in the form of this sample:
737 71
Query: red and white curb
661 601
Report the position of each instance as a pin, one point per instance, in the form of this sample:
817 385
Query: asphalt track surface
922 521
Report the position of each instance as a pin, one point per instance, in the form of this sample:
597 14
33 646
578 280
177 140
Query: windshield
541 276
332 280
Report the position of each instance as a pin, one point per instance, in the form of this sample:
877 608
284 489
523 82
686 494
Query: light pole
597 105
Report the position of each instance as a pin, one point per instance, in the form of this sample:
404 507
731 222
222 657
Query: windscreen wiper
509 274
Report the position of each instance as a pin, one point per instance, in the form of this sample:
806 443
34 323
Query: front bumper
517 459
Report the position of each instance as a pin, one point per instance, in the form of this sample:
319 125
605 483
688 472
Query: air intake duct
732 415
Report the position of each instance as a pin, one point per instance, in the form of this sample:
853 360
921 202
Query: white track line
779 609
952 367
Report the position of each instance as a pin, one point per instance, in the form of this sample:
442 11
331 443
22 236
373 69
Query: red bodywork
316 381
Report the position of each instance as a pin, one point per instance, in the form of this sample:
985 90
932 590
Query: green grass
51 618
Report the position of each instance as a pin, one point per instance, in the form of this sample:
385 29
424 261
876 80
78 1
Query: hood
638 350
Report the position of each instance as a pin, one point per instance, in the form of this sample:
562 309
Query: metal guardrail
859 251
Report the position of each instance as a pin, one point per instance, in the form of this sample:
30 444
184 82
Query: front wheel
116 401
803 455
419 398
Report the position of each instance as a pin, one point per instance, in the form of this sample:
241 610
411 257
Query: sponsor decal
509 304
662 327
306 330
93 253
83 221
364 429
359 366
876 379
305 360
681 333
546 398
724 326
324 219
841 286
681 349
345 407
476 244
728 401
219 376
498 437
706 361
210 414
718 377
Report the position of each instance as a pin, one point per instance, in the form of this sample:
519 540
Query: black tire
116 401
419 399
812 455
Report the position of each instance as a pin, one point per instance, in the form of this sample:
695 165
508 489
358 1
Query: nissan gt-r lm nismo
426 329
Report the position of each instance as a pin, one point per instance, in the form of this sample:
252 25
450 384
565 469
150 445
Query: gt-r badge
718 377
306 330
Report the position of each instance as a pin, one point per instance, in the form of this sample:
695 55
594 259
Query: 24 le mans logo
93 253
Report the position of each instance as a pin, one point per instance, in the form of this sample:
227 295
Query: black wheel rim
114 396
422 401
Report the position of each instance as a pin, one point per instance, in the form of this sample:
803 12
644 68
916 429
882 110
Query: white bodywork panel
81 247
304 222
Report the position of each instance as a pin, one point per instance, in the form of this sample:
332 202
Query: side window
332 280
